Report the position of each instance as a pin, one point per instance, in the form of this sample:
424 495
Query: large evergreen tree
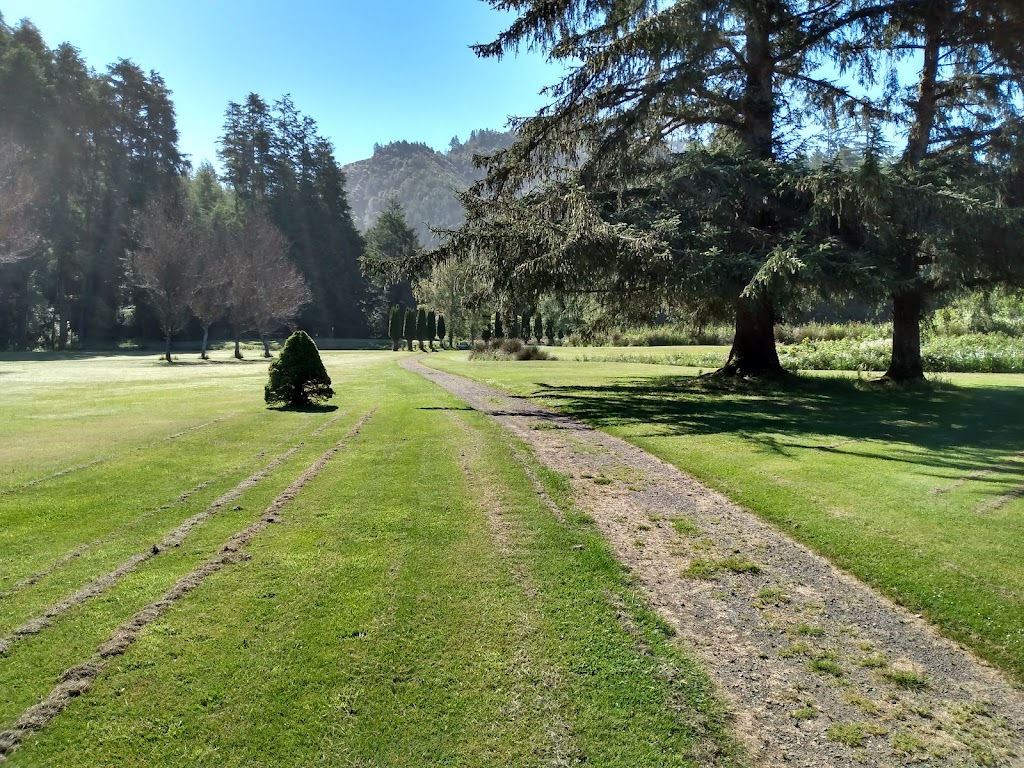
726 84
388 241
276 162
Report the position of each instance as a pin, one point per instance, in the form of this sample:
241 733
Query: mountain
424 181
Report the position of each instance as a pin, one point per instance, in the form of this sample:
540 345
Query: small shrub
507 349
298 376
908 679
848 734
826 665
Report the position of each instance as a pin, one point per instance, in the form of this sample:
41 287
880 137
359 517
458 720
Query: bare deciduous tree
212 278
266 290
165 267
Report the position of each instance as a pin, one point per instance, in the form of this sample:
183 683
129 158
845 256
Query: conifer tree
538 327
409 331
431 329
549 331
421 327
441 331
580 201
395 327
298 376
499 332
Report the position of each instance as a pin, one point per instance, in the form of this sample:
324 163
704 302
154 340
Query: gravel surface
819 669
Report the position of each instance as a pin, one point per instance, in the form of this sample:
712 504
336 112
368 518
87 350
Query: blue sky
365 71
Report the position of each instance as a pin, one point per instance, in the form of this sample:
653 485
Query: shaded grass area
378 623
918 491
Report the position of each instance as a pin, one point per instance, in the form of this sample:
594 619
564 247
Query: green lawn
382 621
919 492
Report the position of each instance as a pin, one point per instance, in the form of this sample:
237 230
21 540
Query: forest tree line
91 160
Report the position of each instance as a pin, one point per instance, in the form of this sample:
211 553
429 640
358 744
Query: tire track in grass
563 747
175 538
77 680
102 459
1006 465
182 498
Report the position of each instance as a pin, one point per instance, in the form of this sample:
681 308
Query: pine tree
421 327
538 327
298 376
431 329
409 331
395 327
441 331
575 204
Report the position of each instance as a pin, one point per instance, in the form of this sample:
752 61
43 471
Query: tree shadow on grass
955 430
443 408
304 408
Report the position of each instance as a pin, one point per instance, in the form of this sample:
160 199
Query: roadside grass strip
77 680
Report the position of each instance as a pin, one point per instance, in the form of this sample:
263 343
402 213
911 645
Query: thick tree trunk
266 346
206 338
906 363
410 345
167 348
908 300
394 345
753 346
238 347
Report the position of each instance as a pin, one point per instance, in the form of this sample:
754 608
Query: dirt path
819 669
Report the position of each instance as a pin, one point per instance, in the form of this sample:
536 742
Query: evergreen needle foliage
298 377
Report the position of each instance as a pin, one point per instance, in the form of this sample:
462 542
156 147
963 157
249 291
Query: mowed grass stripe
93 566
378 624
78 679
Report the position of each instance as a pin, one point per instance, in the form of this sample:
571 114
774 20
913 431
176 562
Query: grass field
415 603
919 492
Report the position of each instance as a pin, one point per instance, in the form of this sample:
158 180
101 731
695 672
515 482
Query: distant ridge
423 179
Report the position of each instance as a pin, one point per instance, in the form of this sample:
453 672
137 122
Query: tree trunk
206 338
753 346
394 345
906 363
908 301
167 348
266 345
238 350
410 345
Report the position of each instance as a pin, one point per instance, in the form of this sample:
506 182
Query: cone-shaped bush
298 376
441 329
499 332
538 327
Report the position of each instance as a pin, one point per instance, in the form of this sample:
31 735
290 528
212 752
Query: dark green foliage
549 331
485 333
298 377
441 329
431 328
538 327
409 331
389 240
276 161
395 327
499 332
421 327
